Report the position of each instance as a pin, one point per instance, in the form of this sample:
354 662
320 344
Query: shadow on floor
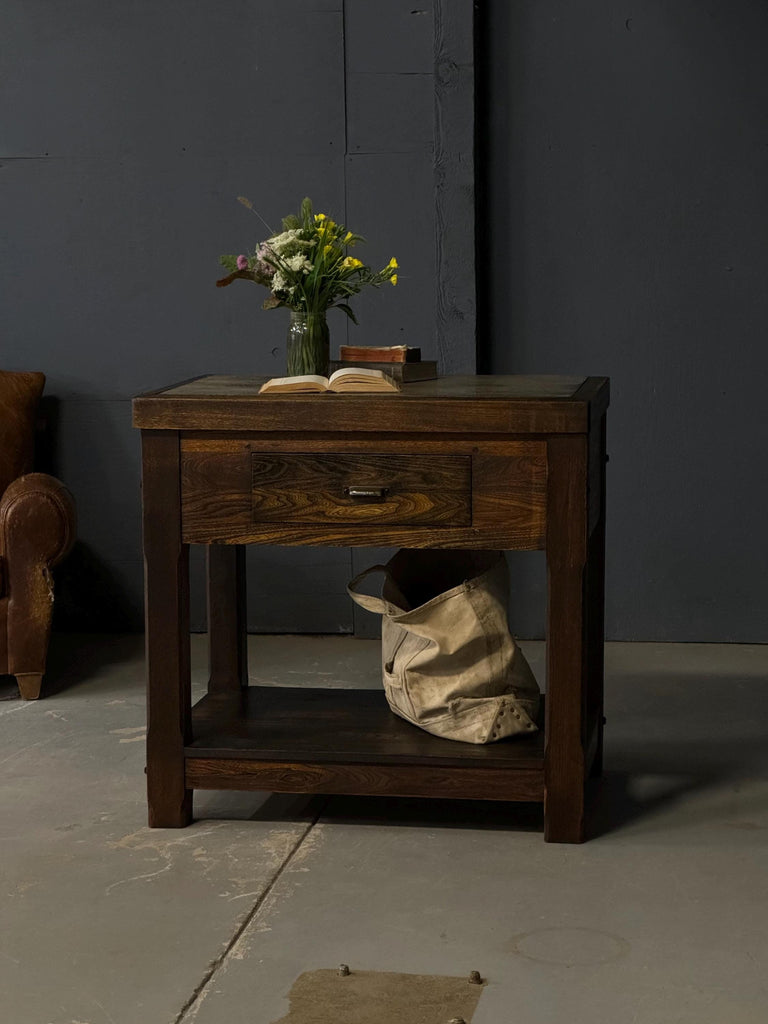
614 800
410 812
8 688
75 658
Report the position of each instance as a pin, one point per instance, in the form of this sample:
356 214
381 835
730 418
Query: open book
344 380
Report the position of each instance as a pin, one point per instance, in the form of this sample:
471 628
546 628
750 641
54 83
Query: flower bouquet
308 270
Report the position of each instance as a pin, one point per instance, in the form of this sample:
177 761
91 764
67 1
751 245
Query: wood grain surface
226 608
514 387
166 597
319 488
567 654
319 724
506 405
484 494
312 740
366 780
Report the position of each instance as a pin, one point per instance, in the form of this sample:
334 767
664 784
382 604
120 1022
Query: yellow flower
350 263
329 224
320 217
392 263
348 237
393 279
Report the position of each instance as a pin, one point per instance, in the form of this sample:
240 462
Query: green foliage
307 214
346 309
229 261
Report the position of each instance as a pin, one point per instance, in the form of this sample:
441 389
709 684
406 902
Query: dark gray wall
623 161
127 133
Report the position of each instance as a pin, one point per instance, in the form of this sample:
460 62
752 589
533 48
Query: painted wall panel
623 223
127 134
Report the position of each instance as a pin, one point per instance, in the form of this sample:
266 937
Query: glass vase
308 344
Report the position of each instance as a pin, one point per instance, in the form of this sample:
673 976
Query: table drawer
327 488
244 490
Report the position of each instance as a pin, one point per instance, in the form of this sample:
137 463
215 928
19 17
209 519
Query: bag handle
371 604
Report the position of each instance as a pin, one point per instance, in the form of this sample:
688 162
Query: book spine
370 354
401 372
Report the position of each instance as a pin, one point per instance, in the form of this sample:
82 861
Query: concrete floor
662 918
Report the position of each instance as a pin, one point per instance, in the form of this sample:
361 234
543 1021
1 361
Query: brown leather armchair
37 529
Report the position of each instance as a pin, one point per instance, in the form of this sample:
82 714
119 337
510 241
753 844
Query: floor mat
378 997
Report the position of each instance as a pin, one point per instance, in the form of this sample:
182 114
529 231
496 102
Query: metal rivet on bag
344 971
474 978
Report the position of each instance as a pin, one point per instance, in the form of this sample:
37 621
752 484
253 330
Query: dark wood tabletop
485 404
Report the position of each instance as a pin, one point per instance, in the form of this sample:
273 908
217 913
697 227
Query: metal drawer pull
367 494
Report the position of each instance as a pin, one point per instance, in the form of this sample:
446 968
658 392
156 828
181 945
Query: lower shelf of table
311 740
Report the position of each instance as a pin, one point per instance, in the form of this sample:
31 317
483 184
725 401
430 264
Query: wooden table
459 462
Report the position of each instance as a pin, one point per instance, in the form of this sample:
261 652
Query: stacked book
401 362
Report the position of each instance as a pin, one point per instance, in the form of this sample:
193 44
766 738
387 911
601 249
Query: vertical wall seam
344 100
350 552
345 161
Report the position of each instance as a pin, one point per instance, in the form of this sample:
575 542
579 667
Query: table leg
227 635
596 609
166 562
564 756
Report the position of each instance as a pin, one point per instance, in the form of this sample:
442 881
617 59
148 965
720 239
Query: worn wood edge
366 536
366 780
596 392
565 727
166 598
413 444
491 416
177 384
596 466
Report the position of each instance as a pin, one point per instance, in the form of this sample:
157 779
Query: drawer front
253 490
325 489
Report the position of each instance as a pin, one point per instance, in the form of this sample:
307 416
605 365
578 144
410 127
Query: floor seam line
217 962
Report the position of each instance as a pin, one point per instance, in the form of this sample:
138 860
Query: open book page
343 380
352 378
306 383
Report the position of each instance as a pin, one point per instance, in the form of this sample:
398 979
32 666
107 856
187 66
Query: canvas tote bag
449 662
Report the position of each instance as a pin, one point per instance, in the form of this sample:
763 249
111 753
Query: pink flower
242 263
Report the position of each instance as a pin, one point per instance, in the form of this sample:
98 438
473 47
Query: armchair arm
37 521
37 529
